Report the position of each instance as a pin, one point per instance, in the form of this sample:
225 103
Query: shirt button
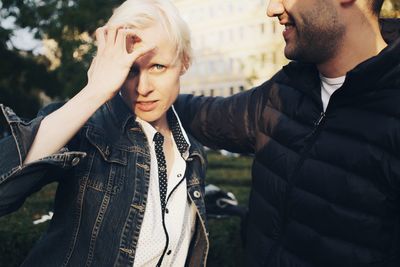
196 194
166 211
75 161
179 175
169 252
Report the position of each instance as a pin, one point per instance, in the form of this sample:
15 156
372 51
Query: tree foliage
391 9
22 74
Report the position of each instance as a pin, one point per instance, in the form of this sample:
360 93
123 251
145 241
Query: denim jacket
103 180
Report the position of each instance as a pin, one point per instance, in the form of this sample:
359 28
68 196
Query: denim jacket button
196 194
75 161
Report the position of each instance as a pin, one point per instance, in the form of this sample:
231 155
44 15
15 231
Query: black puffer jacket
326 186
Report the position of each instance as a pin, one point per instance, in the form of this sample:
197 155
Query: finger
111 34
101 38
129 39
141 51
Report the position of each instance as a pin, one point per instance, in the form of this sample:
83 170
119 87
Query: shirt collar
180 137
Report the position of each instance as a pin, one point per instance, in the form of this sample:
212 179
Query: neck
361 42
161 125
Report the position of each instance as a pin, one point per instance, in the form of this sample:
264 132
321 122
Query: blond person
130 180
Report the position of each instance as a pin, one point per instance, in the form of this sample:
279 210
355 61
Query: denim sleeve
19 180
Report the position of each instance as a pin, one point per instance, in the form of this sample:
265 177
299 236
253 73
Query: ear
183 70
185 65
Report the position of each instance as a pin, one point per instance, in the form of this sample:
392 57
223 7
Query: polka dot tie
162 169
177 132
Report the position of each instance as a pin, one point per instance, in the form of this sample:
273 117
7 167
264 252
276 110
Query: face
154 80
313 29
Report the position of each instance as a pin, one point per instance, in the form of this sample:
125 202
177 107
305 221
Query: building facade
236 46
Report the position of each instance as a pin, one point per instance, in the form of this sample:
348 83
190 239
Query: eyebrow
163 61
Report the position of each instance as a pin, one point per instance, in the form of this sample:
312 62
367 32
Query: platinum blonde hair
145 13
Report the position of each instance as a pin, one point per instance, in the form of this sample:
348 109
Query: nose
144 86
275 8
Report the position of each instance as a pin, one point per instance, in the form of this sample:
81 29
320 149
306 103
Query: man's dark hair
376 6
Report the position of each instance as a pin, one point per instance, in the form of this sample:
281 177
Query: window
273 27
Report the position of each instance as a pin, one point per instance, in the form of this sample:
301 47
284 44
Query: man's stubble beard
319 37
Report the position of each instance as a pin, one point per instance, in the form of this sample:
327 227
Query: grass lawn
18 234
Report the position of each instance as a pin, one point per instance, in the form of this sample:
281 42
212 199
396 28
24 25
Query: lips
146 105
289 29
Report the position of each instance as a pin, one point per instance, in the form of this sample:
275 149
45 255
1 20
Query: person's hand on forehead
114 58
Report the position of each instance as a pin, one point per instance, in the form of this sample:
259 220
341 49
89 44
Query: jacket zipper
309 139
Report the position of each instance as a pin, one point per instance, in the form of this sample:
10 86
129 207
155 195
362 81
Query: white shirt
181 216
328 87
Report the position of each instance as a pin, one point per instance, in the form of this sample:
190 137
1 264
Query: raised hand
106 75
114 58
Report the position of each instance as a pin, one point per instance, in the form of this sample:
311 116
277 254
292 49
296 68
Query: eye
158 68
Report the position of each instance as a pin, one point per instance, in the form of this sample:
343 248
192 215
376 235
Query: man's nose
275 8
144 86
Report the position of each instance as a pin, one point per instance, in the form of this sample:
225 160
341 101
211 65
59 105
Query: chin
289 51
148 118
289 55
295 53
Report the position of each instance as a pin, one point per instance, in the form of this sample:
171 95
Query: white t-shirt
328 87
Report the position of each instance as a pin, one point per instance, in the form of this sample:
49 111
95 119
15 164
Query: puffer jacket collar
373 74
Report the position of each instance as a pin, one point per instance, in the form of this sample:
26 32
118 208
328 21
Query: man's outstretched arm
224 123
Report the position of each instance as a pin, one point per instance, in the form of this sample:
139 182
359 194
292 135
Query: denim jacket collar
120 112
122 115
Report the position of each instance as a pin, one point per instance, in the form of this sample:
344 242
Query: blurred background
46 48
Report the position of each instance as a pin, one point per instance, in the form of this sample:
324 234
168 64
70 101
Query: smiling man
325 134
305 26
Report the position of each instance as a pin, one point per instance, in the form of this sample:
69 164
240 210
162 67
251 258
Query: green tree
23 75
391 9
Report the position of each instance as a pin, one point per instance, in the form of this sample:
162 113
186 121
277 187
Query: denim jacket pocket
110 153
107 167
